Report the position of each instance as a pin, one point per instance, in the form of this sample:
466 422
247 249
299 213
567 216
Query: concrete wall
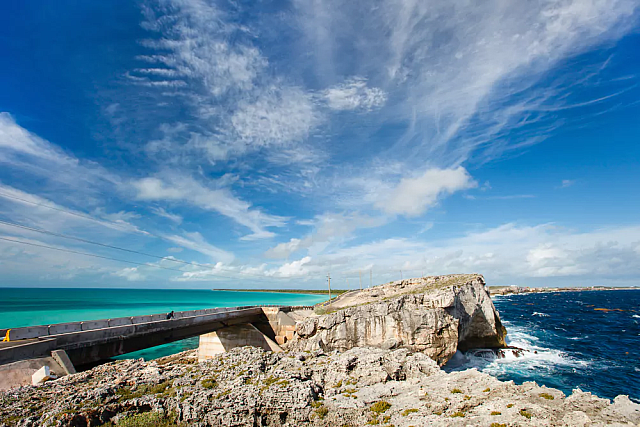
17 374
230 337
62 328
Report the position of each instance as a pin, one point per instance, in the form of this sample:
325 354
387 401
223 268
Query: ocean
569 342
37 306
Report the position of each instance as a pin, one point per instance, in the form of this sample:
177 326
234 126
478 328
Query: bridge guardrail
41 331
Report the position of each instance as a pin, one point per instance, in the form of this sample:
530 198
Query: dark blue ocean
577 345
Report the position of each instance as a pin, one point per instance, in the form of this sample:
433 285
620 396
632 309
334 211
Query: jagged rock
435 315
248 387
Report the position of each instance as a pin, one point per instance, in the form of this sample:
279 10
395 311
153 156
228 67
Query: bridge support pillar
230 337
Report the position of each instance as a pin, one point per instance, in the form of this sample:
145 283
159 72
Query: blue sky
268 143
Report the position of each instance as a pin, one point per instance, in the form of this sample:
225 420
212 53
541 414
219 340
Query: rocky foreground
370 358
251 387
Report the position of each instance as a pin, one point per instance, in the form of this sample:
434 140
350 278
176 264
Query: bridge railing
40 331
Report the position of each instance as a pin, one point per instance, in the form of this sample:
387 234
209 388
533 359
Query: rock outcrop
434 315
251 387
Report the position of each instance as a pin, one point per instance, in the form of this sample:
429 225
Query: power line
95 256
89 217
52 233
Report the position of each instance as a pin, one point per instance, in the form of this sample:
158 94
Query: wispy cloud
567 183
184 189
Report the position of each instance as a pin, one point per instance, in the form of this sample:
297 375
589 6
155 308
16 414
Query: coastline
516 290
248 386
287 291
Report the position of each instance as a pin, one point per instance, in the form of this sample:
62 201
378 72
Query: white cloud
170 216
567 183
279 116
187 190
354 95
509 254
450 69
413 196
329 228
196 242
27 153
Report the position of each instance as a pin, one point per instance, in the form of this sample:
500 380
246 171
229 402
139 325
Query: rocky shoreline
369 358
251 387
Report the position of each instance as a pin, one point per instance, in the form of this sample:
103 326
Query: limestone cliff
435 315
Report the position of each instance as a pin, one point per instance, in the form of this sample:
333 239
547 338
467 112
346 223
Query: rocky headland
435 315
369 358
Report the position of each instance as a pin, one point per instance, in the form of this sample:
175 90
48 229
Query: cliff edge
435 315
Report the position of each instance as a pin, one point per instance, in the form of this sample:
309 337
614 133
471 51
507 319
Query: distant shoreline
289 291
510 290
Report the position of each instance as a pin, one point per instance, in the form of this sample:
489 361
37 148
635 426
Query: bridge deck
91 341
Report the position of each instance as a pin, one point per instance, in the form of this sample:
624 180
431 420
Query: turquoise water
30 306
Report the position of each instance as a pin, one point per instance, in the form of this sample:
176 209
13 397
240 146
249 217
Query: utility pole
370 278
329 281
360 279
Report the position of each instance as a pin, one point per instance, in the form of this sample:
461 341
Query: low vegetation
380 407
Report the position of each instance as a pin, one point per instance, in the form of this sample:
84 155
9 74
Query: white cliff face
434 315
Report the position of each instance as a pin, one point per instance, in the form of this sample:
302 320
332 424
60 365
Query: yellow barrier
6 338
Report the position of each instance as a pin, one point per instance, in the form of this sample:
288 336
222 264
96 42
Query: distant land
289 291
508 290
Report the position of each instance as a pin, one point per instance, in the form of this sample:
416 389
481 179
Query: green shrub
525 413
147 419
486 390
510 405
546 396
380 407
496 413
458 414
498 425
409 411
456 391
209 383
322 411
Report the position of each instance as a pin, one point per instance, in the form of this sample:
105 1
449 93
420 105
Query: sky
266 144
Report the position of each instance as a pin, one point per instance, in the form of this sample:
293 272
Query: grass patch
546 396
467 397
209 383
486 390
322 411
271 380
126 393
338 384
456 391
380 407
525 414
496 413
498 425
408 411
147 419
510 405
458 414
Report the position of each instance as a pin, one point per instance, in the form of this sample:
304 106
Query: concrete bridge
90 342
